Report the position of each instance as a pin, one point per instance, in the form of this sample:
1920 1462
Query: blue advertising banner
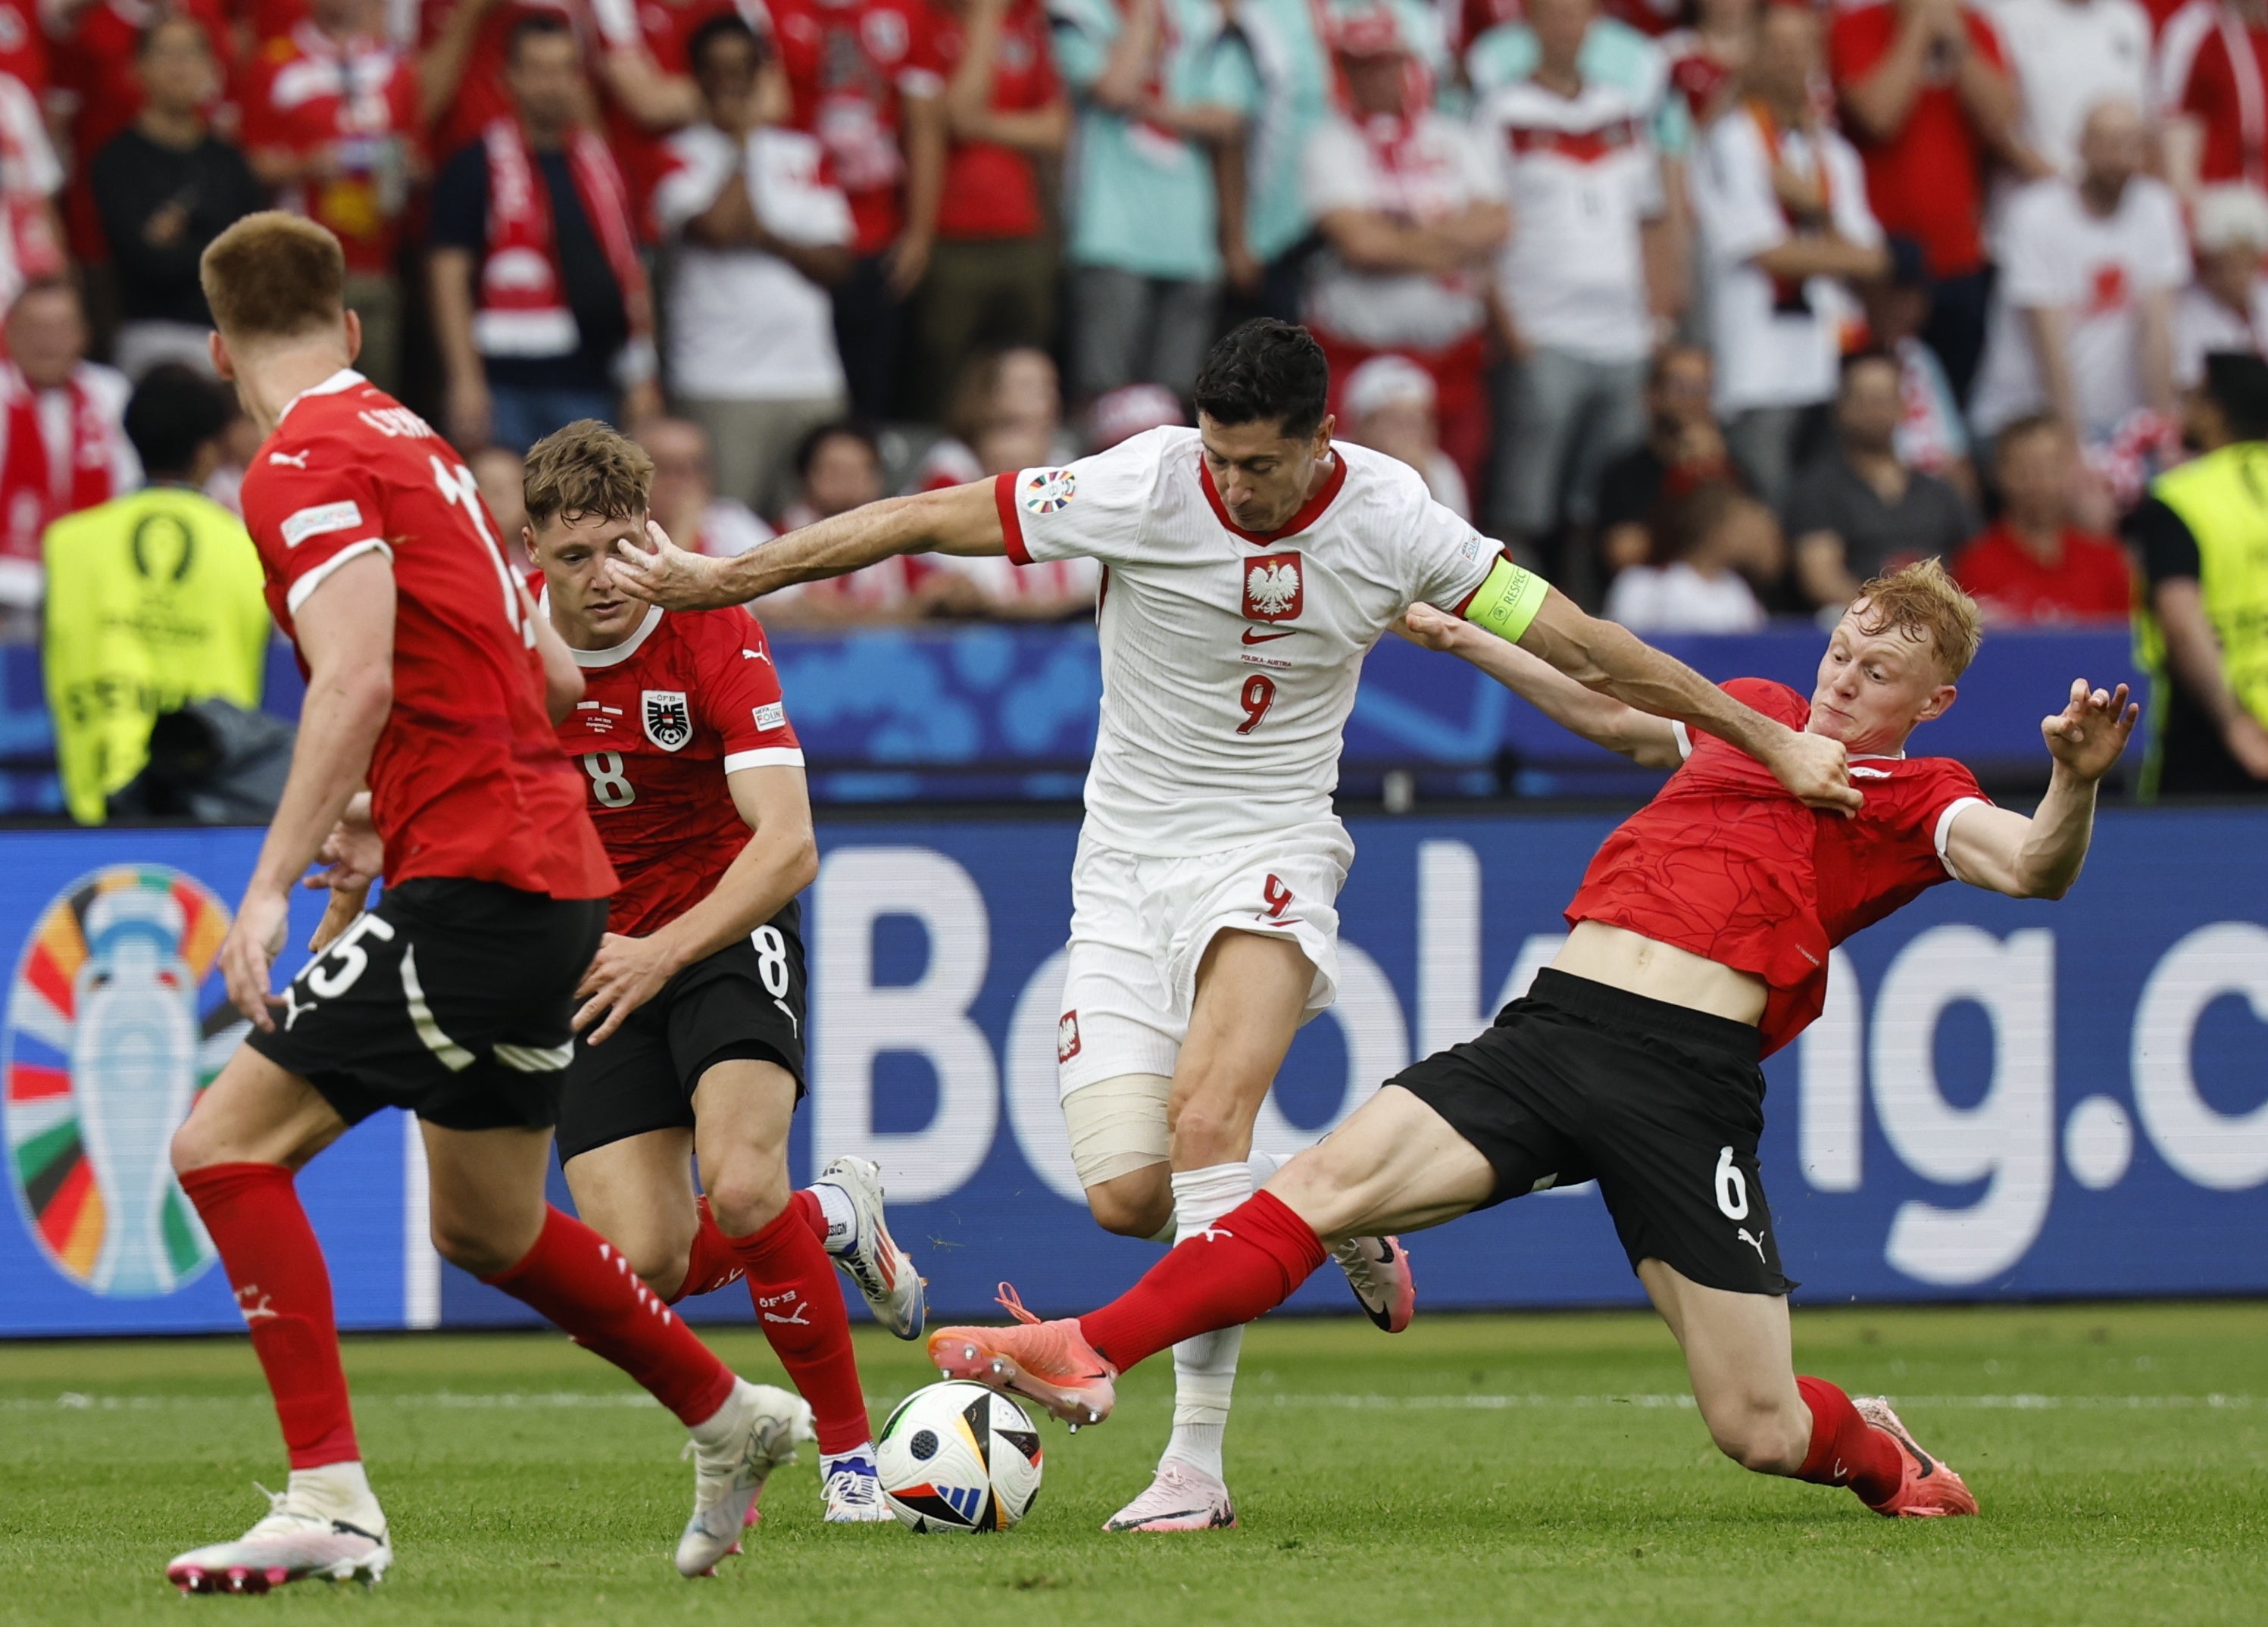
2002 1099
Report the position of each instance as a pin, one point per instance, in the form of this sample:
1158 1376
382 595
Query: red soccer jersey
1725 864
2093 583
1927 181
666 715
480 98
307 92
2212 67
848 63
466 779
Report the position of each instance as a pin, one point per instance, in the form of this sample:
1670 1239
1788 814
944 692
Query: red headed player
693 1023
454 997
1700 944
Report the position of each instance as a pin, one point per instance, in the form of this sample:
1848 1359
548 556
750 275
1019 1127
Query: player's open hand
2086 737
255 938
1818 770
625 974
662 573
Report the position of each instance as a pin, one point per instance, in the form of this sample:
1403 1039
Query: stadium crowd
1711 308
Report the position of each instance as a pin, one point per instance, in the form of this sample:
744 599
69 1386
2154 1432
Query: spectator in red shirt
2213 64
992 272
2035 566
462 53
1705 60
330 116
864 78
1927 99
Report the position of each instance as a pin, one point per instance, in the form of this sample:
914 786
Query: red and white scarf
36 487
524 310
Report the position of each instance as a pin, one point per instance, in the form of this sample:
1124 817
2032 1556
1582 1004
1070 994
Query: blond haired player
1252 562
1700 944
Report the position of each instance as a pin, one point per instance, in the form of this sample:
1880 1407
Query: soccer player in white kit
1251 564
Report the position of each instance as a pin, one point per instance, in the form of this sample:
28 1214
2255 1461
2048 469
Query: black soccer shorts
744 1002
1661 1105
451 998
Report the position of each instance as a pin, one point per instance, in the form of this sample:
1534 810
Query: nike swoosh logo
1252 636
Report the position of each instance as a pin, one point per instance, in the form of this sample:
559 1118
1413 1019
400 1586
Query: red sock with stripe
1845 1449
283 1293
800 1307
574 1278
1245 1263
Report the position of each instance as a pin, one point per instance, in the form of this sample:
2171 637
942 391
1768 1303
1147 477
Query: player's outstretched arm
346 633
959 519
2002 851
779 861
1601 656
1649 741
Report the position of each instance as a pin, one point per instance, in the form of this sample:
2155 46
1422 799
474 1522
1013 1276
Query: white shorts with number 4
1140 927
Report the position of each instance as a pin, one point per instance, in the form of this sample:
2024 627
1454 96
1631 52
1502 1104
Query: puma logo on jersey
1273 589
755 655
1214 1233
289 460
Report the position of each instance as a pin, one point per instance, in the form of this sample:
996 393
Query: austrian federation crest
116 1021
668 719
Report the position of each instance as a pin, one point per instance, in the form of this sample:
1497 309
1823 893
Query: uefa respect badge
112 1032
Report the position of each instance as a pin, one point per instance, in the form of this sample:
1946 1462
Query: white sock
715 1433
338 1491
1263 1166
830 1461
1204 1368
842 1215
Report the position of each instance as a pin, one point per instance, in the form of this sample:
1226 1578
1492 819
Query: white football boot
754 1433
870 1256
1183 1497
852 1494
293 1543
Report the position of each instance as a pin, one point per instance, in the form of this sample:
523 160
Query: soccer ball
957 1457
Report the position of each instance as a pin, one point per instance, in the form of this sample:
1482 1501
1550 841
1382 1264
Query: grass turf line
1474 1468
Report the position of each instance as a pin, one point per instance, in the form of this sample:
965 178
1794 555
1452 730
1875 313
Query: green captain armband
1507 600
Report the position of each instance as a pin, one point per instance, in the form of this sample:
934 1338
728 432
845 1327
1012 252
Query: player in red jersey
1700 944
453 996
694 1015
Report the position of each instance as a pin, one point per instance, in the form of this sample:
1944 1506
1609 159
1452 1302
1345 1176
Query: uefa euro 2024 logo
112 1032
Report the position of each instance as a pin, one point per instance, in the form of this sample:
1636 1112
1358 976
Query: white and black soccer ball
958 1457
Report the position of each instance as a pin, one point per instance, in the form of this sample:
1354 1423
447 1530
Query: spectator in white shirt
2066 56
1781 202
1388 404
685 501
2082 318
1410 207
2227 307
1720 537
761 234
1574 304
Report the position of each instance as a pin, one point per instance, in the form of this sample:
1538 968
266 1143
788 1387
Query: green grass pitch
1542 1469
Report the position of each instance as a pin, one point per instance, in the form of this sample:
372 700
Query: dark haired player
693 1017
1700 944
1253 562
452 997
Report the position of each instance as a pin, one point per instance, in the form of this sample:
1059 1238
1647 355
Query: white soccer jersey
1230 658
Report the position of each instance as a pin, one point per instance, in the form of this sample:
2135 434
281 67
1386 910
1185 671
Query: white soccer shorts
1140 926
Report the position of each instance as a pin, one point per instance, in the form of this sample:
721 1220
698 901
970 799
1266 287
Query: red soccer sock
713 1264
1245 1263
1845 1449
800 1310
283 1293
804 1205
574 1278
